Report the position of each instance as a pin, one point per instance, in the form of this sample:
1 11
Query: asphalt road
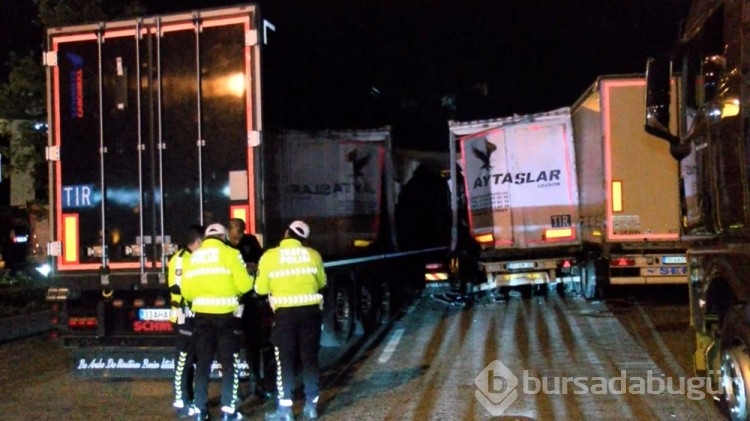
628 357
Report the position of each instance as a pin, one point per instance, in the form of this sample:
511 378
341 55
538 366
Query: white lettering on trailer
123 364
76 196
546 176
331 188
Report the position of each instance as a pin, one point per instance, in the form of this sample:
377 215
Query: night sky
368 63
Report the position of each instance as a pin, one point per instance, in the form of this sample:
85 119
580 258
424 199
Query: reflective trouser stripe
178 373
235 381
279 380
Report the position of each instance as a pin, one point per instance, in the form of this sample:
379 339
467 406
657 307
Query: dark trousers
216 334
252 327
183 368
296 330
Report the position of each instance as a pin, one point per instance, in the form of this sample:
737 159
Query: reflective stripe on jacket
291 274
214 277
295 300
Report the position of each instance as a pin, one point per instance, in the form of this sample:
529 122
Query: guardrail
25 325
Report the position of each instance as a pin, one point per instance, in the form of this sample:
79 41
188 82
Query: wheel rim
734 370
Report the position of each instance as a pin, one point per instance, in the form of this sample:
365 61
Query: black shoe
236 415
282 413
263 393
310 412
186 412
201 416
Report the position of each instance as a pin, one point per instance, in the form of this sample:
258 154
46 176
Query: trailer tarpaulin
334 182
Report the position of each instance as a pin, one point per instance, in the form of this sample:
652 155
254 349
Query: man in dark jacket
256 309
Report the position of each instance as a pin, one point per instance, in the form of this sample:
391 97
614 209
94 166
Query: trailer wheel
343 316
735 367
367 307
592 285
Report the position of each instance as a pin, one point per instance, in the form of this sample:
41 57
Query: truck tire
343 314
735 366
592 283
368 308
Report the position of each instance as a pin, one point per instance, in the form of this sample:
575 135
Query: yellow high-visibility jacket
291 275
175 269
215 277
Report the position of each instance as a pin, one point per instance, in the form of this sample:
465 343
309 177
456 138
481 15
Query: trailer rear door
152 120
521 183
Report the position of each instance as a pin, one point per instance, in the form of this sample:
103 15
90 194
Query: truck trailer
157 123
515 185
710 144
629 192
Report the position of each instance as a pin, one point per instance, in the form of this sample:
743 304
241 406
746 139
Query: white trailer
521 197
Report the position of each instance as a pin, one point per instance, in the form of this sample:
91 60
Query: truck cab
711 146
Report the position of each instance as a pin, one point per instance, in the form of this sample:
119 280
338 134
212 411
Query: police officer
292 275
215 277
182 322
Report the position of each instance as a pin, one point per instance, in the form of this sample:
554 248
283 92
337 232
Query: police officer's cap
300 228
215 230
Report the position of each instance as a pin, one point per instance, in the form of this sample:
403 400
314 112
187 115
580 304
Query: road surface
554 357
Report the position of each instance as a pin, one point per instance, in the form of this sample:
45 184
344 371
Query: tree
53 13
23 95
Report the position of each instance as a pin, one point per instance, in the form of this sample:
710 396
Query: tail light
555 233
82 322
617 196
435 272
622 261
485 238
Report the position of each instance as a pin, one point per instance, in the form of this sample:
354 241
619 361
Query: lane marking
390 347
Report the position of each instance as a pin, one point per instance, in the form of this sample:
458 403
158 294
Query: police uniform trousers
216 334
184 369
296 330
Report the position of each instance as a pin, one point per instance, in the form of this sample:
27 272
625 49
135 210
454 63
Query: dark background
415 65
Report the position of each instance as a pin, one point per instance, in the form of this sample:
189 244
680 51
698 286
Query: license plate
520 265
674 260
522 278
161 314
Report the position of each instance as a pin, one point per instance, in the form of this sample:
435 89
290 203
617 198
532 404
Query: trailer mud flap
129 363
